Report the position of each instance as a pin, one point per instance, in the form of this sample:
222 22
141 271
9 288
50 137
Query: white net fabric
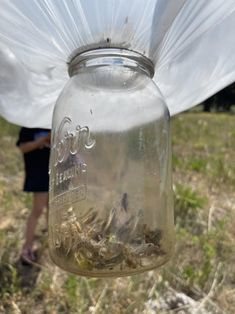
190 42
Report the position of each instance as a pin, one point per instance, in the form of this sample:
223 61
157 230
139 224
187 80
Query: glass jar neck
110 57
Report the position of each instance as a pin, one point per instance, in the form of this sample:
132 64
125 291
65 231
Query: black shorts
36 162
37 183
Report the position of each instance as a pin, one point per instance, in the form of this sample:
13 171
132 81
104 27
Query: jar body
110 210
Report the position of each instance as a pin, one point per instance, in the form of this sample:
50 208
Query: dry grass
199 279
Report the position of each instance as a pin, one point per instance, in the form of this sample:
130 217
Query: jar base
110 273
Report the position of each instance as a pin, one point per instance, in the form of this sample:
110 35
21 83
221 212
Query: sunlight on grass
203 261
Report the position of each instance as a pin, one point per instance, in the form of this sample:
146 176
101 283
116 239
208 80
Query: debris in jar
120 240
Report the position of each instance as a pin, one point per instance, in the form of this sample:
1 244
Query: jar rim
106 55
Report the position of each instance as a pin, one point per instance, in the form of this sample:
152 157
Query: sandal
28 257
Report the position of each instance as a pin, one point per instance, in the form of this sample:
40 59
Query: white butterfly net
191 43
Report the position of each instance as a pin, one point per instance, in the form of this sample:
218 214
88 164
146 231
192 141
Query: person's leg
40 201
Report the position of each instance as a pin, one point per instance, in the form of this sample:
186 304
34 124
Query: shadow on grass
16 277
26 275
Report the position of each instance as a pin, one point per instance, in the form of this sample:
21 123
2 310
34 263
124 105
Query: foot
28 256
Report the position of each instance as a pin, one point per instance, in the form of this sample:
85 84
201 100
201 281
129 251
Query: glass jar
110 208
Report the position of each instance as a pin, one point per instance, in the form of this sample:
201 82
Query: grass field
201 275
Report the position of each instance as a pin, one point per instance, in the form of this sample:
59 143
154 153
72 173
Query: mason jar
110 199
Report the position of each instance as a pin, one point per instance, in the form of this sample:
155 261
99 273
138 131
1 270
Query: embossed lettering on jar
111 211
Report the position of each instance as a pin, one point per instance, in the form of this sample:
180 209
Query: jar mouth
110 56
